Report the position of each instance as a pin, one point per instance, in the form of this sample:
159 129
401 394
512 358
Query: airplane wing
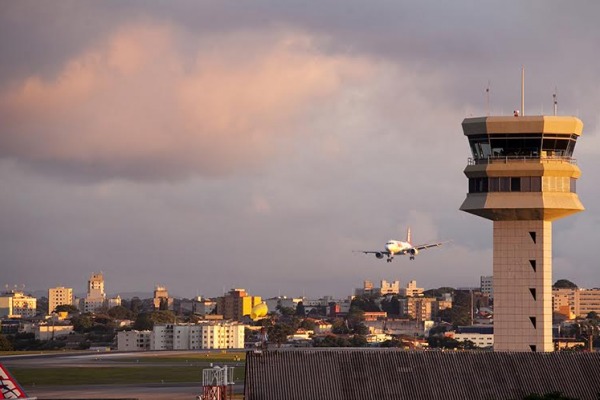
372 252
428 245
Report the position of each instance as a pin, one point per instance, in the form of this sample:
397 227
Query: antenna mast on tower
487 98
522 90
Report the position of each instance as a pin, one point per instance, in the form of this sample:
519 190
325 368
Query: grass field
181 368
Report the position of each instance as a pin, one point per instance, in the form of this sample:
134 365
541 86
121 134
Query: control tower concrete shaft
522 176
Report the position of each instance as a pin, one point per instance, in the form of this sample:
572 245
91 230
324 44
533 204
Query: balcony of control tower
522 168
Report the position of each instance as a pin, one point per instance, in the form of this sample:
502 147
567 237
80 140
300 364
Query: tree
146 321
136 305
355 317
300 311
82 323
438 292
360 329
593 315
564 284
71 309
279 332
5 344
358 341
308 324
120 312
164 304
391 305
366 302
286 310
339 326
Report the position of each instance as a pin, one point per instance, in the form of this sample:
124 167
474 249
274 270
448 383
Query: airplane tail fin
9 386
408 238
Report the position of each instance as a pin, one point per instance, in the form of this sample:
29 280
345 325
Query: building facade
133 340
15 303
236 304
209 335
487 286
59 296
161 300
411 290
576 302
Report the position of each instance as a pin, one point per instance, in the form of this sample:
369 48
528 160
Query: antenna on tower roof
487 97
522 90
555 97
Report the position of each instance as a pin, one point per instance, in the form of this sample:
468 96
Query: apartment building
59 296
487 286
236 304
575 301
15 303
209 335
96 296
411 290
133 340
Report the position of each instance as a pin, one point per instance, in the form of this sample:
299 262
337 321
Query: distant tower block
522 176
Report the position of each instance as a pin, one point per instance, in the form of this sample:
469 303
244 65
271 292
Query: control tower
522 176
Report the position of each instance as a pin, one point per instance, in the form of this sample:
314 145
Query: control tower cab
522 176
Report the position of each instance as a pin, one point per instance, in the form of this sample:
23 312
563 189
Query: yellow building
236 304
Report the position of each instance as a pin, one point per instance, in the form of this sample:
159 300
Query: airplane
9 386
399 247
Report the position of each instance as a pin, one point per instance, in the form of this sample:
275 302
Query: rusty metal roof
380 374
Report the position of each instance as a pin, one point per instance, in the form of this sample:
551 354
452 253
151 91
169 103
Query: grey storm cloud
210 145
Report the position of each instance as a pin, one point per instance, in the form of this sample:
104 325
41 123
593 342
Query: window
533 322
515 184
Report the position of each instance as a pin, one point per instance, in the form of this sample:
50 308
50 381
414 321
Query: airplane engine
413 252
259 311
379 255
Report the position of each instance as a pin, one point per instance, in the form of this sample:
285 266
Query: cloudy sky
211 145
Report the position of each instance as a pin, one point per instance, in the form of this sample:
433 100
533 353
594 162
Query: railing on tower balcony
520 159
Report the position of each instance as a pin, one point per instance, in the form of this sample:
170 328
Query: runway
142 391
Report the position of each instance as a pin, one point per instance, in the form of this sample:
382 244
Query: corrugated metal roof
347 374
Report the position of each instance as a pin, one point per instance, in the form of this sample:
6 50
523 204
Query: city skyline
207 146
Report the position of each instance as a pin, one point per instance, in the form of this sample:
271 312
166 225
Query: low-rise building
204 335
15 303
481 335
50 332
133 340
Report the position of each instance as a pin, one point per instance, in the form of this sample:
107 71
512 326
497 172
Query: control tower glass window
557 145
522 145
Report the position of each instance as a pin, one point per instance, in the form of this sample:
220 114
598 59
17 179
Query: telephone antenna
555 98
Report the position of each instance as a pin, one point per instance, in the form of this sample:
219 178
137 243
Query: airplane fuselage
397 246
